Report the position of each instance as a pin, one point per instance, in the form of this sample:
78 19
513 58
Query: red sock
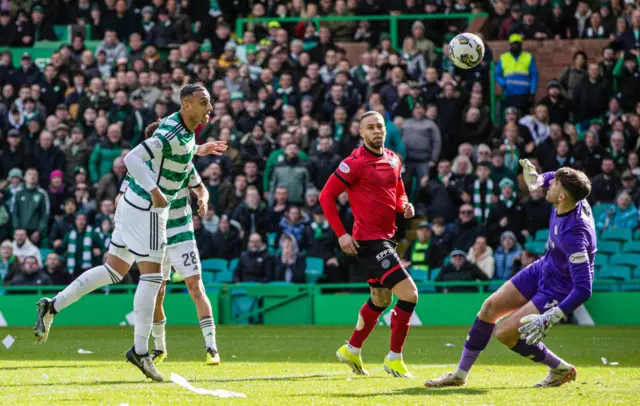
367 320
400 317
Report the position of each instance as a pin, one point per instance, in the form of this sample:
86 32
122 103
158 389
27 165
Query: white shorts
139 235
184 258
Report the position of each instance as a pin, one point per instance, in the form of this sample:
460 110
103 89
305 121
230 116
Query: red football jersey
376 193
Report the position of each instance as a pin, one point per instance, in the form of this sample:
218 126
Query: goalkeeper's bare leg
505 301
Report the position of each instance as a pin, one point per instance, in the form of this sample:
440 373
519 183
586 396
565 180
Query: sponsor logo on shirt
578 258
344 167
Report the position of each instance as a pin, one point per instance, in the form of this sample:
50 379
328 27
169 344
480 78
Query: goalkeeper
543 293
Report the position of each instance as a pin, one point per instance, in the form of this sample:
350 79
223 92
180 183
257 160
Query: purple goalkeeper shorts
540 286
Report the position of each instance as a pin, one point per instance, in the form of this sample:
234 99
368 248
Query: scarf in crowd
508 202
285 94
481 207
72 247
512 157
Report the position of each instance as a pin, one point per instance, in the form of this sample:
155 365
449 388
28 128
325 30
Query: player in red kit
371 176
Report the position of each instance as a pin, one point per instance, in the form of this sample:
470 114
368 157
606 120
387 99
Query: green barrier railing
393 21
283 287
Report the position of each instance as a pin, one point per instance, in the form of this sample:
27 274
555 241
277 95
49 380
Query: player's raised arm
531 177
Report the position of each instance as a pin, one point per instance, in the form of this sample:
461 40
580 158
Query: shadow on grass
50 367
416 391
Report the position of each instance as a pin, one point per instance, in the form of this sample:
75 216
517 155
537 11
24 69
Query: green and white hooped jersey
180 223
171 149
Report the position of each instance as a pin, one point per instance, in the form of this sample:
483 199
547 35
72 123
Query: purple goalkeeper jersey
571 251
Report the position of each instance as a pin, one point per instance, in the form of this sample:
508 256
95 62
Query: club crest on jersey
393 162
155 142
344 167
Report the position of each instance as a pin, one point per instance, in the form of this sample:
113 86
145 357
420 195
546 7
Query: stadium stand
81 80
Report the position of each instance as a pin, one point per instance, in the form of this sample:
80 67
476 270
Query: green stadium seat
619 273
233 264
542 235
281 283
636 234
629 260
601 208
224 276
207 276
537 247
419 275
315 269
632 247
609 247
619 234
215 264
601 260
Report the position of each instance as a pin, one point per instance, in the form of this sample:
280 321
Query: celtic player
158 167
182 254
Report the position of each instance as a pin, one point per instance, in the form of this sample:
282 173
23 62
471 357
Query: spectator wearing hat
424 254
228 57
13 156
103 154
557 104
61 139
482 255
42 30
28 73
9 263
558 22
506 215
459 270
517 74
76 153
57 192
515 14
624 214
112 48
506 254
14 182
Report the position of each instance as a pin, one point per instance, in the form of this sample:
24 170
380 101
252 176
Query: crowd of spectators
287 100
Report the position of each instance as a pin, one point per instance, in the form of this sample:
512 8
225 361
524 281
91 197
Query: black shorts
382 263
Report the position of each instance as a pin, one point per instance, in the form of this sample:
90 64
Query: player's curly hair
151 128
576 183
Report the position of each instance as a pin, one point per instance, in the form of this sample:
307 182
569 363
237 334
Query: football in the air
466 50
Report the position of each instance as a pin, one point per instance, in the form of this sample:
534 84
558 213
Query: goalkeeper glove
531 177
536 326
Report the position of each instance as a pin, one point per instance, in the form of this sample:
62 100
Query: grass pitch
297 366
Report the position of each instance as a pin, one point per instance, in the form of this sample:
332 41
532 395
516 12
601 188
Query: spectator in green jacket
106 152
30 207
291 174
276 157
